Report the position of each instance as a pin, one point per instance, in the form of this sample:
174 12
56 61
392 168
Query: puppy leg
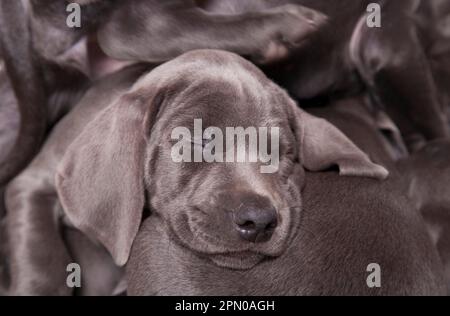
392 62
157 31
38 257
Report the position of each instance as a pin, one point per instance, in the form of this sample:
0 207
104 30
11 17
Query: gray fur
347 224
113 150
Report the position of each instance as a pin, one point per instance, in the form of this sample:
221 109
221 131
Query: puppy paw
291 26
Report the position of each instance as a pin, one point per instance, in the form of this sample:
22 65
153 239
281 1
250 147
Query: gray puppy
111 158
346 225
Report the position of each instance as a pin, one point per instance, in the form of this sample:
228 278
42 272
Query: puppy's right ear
100 179
322 146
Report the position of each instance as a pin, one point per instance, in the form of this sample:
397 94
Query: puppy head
235 210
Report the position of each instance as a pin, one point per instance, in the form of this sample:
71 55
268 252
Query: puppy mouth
242 256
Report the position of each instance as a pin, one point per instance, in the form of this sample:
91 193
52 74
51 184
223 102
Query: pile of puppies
87 177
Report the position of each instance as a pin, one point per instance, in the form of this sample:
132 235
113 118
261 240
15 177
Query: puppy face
228 210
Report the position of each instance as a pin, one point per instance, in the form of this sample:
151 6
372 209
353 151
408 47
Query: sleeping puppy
335 59
346 225
113 156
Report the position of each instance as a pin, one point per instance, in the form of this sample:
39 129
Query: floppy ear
322 146
100 179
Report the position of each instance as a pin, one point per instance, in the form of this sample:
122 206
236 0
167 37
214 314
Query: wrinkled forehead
222 102
220 88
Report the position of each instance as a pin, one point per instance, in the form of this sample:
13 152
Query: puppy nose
256 225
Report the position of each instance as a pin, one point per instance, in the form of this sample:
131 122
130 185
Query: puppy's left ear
100 180
323 146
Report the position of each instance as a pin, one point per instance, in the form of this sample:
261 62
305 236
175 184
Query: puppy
360 55
111 158
346 225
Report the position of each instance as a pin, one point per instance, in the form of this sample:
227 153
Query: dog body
424 176
347 224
